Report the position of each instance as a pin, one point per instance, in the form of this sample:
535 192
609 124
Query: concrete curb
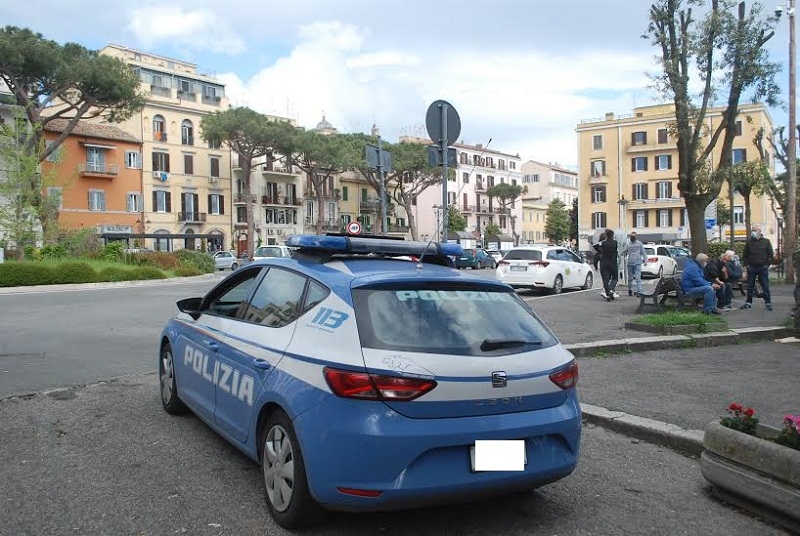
668 342
669 435
109 284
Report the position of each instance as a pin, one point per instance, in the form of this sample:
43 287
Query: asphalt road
106 459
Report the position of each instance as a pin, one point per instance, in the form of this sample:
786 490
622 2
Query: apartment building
8 111
545 182
629 174
186 181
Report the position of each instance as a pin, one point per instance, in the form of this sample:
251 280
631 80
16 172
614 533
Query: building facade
544 183
629 175
186 181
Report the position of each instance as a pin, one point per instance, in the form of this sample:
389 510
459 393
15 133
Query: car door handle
213 346
262 364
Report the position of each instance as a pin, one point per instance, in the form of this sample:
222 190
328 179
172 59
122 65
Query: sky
521 73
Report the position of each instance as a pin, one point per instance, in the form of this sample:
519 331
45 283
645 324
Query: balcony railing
399 229
212 100
272 168
187 95
196 217
160 136
368 206
161 91
187 140
94 168
479 186
282 200
242 198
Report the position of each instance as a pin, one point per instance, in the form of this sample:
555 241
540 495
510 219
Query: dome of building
325 126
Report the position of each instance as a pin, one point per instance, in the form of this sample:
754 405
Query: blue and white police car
361 380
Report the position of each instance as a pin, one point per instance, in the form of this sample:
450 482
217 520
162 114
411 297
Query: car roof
536 248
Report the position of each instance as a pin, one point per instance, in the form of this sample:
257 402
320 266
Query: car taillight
566 378
349 384
652 259
543 264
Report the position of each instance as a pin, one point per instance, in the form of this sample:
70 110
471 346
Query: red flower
735 407
749 412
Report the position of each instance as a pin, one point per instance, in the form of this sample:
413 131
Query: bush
81 243
161 259
32 253
74 272
53 251
113 251
202 261
22 274
187 271
146 272
114 274
716 249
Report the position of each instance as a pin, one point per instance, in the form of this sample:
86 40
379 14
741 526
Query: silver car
225 260
264 252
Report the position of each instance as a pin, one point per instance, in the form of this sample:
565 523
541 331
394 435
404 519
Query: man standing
758 256
609 267
635 253
694 285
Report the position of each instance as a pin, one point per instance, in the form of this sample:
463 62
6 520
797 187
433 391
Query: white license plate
519 268
499 455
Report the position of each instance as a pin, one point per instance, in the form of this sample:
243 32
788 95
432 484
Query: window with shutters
133 202
133 160
639 163
214 166
190 206
664 189
57 193
598 220
97 200
160 161
665 217
640 218
598 194
738 215
187 132
241 214
465 176
639 191
159 128
738 128
162 201
188 164
663 161
344 193
597 142
663 137
598 168
639 138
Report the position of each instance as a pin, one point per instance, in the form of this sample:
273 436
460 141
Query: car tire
558 285
167 384
288 498
234 266
660 271
589 282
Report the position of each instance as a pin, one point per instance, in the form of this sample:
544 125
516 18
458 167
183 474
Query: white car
495 254
549 267
266 252
225 260
658 261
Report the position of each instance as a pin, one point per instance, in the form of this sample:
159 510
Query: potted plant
755 466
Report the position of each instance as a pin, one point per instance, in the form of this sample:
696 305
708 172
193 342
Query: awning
98 145
460 235
502 237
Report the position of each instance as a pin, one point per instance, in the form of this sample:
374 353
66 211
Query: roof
87 129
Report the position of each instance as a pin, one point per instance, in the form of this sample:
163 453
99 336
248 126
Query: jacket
758 252
635 252
714 270
608 252
693 276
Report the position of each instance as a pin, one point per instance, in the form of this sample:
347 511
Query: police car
362 381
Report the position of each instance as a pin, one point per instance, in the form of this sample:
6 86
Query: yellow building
628 175
186 181
359 201
534 217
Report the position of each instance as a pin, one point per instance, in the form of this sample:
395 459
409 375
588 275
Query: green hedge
22 274
114 274
146 272
716 249
74 272
187 271
202 261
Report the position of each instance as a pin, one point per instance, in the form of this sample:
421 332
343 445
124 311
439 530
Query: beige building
186 181
629 175
545 182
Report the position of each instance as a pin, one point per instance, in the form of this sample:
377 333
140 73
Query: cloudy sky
522 73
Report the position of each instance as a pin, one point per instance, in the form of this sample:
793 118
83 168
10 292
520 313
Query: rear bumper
524 280
367 446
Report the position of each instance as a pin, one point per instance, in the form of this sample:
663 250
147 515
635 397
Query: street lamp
623 208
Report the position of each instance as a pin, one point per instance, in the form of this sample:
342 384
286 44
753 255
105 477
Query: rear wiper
495 344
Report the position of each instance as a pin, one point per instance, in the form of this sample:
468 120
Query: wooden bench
665 288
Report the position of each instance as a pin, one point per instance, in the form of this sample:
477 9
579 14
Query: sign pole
443 151
382 192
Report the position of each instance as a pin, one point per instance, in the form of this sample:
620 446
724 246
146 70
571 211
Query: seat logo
499 379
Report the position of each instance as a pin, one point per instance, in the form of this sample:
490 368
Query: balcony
213 100
598 179
661 202
187 140
242 198
271 168
192 217
187 95
160 136
369 206
161 91
94 169
649 147
479 186
282 200
468 208
399 229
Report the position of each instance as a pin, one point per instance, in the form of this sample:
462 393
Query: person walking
694 285
609 265
758 256
634 250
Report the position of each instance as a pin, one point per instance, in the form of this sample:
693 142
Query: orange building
98 176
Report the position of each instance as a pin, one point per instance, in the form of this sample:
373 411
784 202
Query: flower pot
753 473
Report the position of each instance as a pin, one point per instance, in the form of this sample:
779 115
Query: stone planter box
753 473
679 329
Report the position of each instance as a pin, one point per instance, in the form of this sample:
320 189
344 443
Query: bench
664 289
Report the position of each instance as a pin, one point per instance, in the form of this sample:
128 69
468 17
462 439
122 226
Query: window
738 215
598 194
159 128
344 219
95 159
97 200
162 201
229 298
276 301
662 135
598 220
344 193
214 144
739 156
190 206
184 86
665 217
316 294
451 198
527 178
466 177
663 161
501 164
215 166
738 128
187 132
685 217
133 202
133 160
639 138
55 156
639 163
513 165
599 168
56 192
664 189
639 191
216 204
188 164
160 161
597 142
241 214
640 218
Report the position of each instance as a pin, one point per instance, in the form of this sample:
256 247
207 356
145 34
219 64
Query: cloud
195 29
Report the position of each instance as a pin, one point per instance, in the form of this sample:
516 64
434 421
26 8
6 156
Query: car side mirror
191 306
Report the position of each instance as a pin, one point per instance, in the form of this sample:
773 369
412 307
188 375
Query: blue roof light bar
358 245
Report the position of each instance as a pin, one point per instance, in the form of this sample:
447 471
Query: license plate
519 268
499 455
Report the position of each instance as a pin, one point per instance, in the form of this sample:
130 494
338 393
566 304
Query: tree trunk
696 206
248 203
405 202
320 209
747 223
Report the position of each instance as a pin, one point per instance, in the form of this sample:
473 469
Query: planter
753 473
678 329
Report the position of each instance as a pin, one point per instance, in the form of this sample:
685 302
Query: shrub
53 251
716 249
113 273
21 274
113 251
187 271
81 243
202 261
146 272
74 272
32 253
136 259
161 259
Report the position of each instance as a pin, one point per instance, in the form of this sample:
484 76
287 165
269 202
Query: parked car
548 267
496 254
360 382
587 256
225 260
658 261
264 252
680 254
475 258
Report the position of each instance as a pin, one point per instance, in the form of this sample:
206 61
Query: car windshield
650 251
264 251
523 255
442 320
678 252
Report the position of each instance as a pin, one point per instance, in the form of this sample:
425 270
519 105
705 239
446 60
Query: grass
680 318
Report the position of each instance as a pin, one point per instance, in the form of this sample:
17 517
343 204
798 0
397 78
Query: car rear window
650 251
268 252
442 320
523 255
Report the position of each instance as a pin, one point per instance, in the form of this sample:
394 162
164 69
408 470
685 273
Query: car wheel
288 498
234 266
589 283
169 387
558 285
660 271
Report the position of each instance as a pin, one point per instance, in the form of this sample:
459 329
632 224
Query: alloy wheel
279 468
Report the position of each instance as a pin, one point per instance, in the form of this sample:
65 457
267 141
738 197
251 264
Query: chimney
479 146
609 116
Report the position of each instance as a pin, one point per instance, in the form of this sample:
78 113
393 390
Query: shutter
633 192
603 195
166 162
102 196
669 161
210 206
604 168
168 196
196 202
645 163
155 162
633 138
669 218
646 191
222 204
655 163
633 164
155 201
603 219
647 218
744 155
89 200
669 193
183 202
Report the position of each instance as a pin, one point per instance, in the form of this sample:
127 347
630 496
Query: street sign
435 156
433 122
372 158
354 227
710 223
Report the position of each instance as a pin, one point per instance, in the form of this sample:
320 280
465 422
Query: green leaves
556 227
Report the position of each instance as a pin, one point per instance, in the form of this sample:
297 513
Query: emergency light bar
332 245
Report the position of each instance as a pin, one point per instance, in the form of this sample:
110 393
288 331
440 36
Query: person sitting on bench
716 271
694 285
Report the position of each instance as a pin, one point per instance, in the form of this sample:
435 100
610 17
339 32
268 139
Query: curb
668 342
108 284
682 440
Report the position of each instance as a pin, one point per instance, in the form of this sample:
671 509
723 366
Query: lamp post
623 209
790 238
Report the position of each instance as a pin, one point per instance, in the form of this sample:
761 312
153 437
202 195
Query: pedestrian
716 271
609 265
694 285
634 250
758 256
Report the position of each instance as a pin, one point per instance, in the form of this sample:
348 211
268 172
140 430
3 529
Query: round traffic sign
354 227
433 122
